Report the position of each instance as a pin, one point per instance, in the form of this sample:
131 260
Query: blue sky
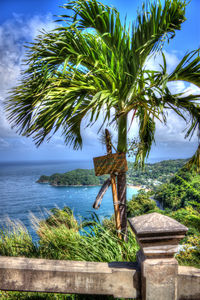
21 21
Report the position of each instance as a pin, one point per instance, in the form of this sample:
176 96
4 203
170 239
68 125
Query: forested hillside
154 174
150 177
183 189
75 177
180 199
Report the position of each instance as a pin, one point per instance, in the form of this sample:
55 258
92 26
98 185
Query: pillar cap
156 224
157 234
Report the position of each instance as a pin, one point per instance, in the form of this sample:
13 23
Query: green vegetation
150 177
180 197
140 204
74 72
98 63
189 253
61 237
181 200
153 174
183 189
16 241
75 177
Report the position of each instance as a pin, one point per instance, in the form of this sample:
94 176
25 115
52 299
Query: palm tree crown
73 72
96 63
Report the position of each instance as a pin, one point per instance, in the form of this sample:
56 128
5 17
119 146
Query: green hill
75 177
182 189
154 174
150 177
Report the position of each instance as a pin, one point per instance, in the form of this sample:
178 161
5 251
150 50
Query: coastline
138 187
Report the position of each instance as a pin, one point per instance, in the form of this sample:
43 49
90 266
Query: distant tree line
161 171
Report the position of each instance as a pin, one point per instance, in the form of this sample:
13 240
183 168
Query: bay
20 195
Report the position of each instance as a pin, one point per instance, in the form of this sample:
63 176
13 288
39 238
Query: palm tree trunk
121 178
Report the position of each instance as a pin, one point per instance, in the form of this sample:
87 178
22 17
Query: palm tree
96 63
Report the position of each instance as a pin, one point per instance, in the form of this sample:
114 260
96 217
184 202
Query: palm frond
188 69
76 73
155 25
194 161
146 136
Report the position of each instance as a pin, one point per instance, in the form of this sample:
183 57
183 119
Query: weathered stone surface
159 279
155 224
42 275
188 283
157 234
158 237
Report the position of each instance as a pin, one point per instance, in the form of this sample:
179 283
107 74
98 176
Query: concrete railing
75 277
161 277
156 276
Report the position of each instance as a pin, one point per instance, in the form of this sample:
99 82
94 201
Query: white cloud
13 35
154 62
173 131
3 144
192 89
172 60
176 86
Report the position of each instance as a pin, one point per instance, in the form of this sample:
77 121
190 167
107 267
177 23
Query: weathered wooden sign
110 163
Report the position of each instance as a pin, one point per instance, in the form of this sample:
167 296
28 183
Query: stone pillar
158 237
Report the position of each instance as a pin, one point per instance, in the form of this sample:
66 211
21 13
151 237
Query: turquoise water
20 195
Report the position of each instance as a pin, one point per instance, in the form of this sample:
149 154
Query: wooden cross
110 164
114 188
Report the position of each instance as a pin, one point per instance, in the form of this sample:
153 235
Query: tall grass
16 241
61 237
96 243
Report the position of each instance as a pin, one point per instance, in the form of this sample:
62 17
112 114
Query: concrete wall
42 275
188 283
160 279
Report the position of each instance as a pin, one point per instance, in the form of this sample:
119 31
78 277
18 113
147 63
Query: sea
21 196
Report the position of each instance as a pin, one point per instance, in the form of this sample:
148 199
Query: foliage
16 241
50 296
75 177
189 252
189 255
188 216
95 243
74 72
153 174
95 63
62 240
60 217
182 190
35 296
182 196
140 204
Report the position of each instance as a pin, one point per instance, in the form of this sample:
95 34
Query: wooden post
114 188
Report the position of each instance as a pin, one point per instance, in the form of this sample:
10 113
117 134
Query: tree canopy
94 62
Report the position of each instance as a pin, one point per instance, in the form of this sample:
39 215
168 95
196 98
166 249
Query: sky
21 21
